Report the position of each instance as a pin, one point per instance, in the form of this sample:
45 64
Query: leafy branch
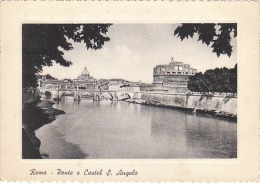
218 39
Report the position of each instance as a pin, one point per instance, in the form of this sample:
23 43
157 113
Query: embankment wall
222 104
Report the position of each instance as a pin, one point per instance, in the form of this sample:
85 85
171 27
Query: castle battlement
174 76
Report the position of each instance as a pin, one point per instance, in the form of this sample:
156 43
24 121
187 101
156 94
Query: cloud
133 52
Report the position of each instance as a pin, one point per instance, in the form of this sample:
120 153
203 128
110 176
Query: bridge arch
61 94
87 93
111 95
47 93
125 94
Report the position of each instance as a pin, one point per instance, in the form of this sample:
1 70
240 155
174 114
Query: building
173 77
66 83
47 81
146 87
103 84
85 81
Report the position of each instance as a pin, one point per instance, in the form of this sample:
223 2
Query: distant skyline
135 49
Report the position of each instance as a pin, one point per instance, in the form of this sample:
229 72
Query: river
121 130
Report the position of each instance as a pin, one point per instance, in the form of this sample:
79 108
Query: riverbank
196 110
35 114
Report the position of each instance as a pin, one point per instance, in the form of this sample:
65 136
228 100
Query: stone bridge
97 95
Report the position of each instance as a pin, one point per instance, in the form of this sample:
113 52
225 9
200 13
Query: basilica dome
85 72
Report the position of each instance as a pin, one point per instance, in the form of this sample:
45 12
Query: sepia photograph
129 91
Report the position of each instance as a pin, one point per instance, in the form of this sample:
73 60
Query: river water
121 130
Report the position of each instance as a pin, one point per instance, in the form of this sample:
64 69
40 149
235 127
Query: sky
135 49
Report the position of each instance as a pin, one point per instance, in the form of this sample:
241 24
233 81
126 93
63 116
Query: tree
218 39
217 80
195 83
233 79
48 76
43 44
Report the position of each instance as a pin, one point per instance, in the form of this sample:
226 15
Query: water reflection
215 141
55 146
193 136
106 129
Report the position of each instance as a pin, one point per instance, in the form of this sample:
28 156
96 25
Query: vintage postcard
129 91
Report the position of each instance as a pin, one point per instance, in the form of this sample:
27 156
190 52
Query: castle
173 77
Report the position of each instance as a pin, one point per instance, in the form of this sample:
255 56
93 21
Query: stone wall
224 104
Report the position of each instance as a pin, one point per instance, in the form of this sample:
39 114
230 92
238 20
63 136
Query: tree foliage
218 39
43 44
48 76
217 80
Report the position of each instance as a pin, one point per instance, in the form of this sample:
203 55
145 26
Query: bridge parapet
115 94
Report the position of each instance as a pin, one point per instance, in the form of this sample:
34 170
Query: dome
85 71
